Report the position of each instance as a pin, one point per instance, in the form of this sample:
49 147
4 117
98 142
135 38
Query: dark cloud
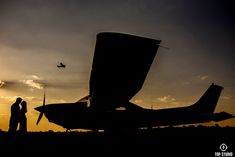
60 84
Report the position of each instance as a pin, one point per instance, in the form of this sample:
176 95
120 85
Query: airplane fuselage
78 115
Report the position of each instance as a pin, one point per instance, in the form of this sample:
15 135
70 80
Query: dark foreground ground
185 141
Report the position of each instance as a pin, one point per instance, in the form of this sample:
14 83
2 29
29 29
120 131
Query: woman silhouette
23 119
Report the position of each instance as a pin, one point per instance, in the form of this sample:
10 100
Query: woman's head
24 105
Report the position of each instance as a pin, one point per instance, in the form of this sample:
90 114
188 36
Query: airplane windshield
84 100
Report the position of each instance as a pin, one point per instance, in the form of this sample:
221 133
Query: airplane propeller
41 109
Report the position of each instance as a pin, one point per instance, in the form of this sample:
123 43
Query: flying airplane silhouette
120 65
61 65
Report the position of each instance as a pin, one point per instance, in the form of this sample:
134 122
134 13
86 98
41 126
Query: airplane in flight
61 65
120 65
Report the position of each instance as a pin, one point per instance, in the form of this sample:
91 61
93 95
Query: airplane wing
120 65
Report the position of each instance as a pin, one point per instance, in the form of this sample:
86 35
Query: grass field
200 141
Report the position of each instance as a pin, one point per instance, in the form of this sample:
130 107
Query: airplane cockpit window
84 101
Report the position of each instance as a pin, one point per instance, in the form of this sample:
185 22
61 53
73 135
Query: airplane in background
120 65
61 65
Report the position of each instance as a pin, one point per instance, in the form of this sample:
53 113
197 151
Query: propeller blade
40 117
44 97
41 109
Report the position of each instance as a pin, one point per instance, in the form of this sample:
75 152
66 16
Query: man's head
18 100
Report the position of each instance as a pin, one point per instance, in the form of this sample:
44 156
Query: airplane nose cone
40 108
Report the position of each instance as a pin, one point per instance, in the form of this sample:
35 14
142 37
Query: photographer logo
223 151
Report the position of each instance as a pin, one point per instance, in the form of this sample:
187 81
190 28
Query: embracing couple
18 116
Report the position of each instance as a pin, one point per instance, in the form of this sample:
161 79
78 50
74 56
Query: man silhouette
15 115
23 119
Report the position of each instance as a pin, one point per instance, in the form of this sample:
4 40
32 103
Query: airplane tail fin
207 103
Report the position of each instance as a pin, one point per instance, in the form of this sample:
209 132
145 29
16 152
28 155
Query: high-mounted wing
120 65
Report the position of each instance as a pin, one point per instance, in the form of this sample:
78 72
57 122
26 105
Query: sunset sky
35 35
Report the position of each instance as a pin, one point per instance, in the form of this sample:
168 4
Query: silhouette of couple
18 116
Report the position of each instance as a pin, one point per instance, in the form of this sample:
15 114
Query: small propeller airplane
120 65
61 65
